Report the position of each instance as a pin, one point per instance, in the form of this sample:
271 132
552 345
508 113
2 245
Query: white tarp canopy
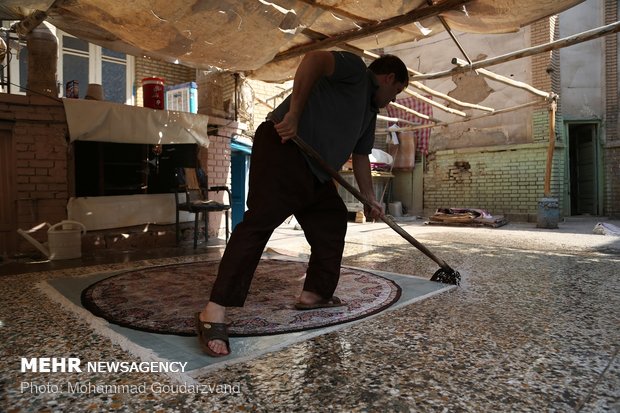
265 39
91 120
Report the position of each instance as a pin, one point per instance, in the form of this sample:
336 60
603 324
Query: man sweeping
333 107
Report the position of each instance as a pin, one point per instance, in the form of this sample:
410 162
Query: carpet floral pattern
164 299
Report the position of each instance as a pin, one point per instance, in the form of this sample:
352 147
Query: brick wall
267 96
216 162
611 200
543 64
216 98
505 180
41 151
546 76
171 73
508 179
228 95
216 94
44 165
612 174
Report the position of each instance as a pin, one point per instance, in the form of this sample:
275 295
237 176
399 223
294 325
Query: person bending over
333 107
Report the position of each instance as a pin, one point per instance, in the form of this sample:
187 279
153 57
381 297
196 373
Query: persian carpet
164 299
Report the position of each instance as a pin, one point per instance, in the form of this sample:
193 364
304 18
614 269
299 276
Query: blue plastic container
182 97
548 213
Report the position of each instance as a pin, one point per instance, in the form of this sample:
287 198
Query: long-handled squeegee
444 274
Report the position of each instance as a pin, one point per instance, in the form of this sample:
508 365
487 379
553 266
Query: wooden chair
198 203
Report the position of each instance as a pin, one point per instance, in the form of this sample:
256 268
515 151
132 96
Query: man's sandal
207 332
332 302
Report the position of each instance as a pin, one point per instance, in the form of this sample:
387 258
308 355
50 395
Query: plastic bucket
153 92
395 209
65 240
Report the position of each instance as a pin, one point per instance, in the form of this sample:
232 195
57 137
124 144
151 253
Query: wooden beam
415 84
264 103
338 12
426 89
485 115
505 80
414 112
371 29
567 41
550 148
435 104
394 120
29 23
418 85
421 86
449 30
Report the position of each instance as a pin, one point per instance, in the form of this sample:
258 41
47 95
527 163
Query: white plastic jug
64 240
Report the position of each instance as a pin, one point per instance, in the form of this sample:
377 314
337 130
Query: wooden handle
309 150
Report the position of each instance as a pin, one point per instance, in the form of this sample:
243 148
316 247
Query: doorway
240 178
583 165
8 196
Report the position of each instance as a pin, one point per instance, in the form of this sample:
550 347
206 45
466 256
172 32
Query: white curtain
92 120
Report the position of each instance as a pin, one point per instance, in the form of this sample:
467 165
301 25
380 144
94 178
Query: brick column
546 76
42 60
611 156
40 157
545 73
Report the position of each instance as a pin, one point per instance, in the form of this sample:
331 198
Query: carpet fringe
101 327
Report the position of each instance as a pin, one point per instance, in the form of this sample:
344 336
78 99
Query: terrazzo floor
534 327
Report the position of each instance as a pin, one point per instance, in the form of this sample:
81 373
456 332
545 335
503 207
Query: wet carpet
163 299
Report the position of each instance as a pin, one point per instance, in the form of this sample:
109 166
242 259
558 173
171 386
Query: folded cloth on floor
603 228
466 217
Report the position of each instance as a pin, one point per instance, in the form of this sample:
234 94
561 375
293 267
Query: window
81 61
114 75
75 62
88 63
16 70
125 169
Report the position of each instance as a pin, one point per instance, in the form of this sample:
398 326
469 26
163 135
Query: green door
239 170
583 169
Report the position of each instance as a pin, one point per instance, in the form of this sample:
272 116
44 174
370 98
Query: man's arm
361 170
313 66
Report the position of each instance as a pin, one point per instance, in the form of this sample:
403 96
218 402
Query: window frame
12 69
95 67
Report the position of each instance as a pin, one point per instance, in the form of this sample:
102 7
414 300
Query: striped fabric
420 106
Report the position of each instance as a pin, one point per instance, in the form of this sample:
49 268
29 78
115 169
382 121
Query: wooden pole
550 148
312 153
449 30
504 79
567 41
497 112
436 104
371 29
395 120
416 113
422 87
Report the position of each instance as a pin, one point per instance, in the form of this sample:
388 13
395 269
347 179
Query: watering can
64 240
